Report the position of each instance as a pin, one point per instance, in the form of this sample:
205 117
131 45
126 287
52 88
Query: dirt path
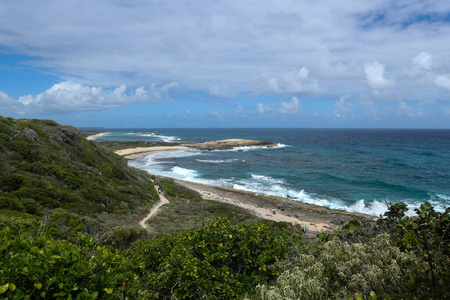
154 210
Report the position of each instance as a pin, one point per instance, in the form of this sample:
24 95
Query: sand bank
133 153
95 136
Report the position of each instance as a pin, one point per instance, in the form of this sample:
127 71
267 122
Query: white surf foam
164 138
218 161
252 148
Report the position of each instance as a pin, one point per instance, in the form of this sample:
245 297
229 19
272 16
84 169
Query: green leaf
56 256
12 287
4 288
109 291
38 285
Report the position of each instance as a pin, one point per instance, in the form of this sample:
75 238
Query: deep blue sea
351 169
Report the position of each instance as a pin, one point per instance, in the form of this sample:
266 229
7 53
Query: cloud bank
69 97
106 52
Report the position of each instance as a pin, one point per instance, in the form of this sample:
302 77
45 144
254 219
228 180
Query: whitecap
218 161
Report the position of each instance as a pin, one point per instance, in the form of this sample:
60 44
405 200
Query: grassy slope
49 169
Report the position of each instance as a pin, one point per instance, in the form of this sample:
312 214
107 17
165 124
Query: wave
219 161
163 138
251 148
184 174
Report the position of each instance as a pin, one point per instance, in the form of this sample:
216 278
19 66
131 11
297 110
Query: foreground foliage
217 261
43 268
402 257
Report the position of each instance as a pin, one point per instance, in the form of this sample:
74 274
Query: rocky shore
229 144
315 218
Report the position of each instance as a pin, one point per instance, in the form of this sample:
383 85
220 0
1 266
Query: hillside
50 169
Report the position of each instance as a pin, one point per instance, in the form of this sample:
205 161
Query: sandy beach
134 153
315 218
95 136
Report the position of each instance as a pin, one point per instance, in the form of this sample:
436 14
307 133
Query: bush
11 203
172 189
43 268
121 237
342 269
218 261
19 221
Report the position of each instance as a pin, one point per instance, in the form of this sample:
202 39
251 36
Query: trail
154 210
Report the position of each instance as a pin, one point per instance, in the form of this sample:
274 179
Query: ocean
356 170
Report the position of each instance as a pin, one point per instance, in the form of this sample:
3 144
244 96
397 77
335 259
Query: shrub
121 237
19 221
342 269
218 261
43 268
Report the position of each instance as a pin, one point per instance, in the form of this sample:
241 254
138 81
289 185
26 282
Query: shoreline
315 218
95 136
133 153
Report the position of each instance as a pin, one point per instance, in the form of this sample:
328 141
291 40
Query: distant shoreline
133 153
95 136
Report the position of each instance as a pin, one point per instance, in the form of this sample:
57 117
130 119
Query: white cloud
294 82
405 109
290 108
262 108
69 97
221 91
424 60
375 76
341 108
443 81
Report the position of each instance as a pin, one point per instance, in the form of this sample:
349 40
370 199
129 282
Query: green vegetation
69 212
114 146
49 170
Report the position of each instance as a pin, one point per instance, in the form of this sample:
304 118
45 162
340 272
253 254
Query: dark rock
337 222
68 135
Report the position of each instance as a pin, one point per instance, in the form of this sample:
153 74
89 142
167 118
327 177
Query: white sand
93 137
133 153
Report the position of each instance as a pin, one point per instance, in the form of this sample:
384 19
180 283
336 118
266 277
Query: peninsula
228 144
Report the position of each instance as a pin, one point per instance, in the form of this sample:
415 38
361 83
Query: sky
178 63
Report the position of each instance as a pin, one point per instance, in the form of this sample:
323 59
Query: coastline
95 136
315 218
133 153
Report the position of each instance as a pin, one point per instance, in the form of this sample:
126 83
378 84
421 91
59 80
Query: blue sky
229 63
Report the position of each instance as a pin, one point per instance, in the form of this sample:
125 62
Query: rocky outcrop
229 144
68 135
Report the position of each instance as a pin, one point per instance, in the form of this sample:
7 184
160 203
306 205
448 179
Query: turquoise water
351 169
